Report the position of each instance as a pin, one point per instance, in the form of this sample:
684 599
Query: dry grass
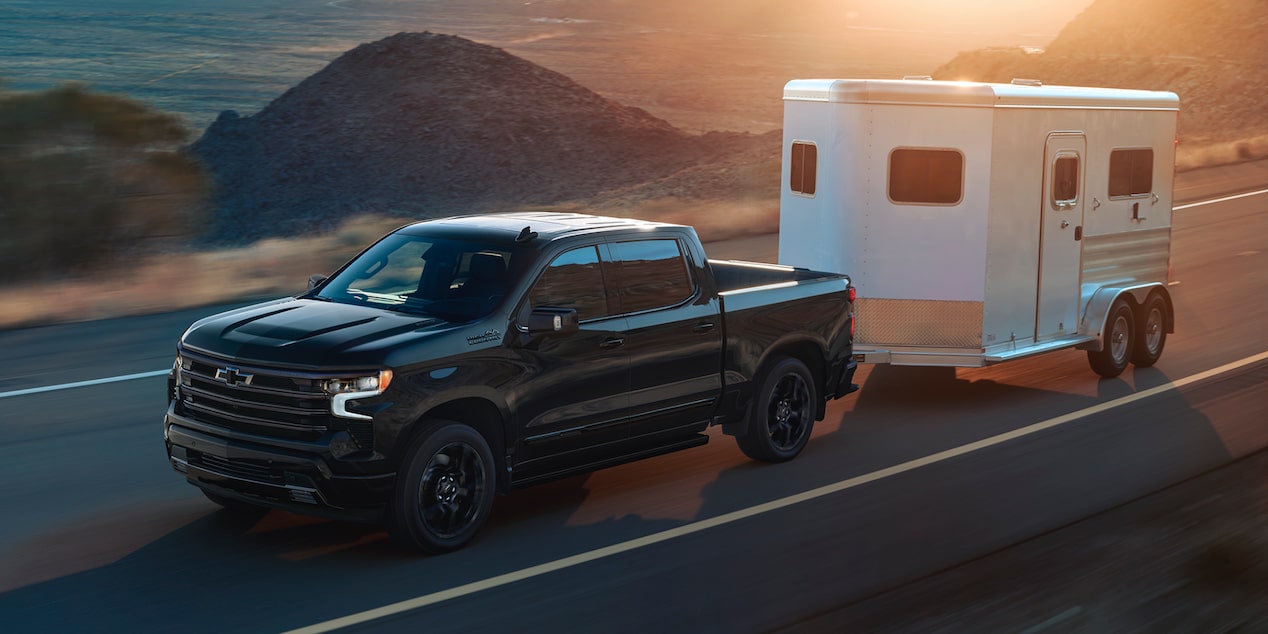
275 267
278 267
1201 155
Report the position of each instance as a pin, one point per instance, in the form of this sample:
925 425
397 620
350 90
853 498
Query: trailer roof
974 94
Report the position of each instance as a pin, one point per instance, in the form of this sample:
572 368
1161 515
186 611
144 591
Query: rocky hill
1210 52
423 125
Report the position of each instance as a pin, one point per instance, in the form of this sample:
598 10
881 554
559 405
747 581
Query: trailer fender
1098 307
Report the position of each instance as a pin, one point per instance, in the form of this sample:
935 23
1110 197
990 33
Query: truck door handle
612 342
702 328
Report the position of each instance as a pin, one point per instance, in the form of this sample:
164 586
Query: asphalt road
920 471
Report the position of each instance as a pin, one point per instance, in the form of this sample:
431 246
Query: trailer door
1061 232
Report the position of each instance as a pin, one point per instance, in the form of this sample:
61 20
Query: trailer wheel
782 414
445 491
1151 332
1116 342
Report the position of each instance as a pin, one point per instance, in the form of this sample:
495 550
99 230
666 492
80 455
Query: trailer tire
445 489
782 413
1151 332
1117 341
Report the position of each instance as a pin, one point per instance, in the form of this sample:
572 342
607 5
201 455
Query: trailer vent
1026 82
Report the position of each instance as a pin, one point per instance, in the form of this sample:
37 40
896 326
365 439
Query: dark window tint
650 274
573 280
926 177
802 167
1065 181
1131 172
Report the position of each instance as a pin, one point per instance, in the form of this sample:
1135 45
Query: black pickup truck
462 357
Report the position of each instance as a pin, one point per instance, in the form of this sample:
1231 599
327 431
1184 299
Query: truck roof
547 225
1021 94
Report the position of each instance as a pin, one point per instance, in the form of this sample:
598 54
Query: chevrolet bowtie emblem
233 376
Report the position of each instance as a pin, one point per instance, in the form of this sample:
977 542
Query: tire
782 414
234 506
445 489
1116 341
1151 332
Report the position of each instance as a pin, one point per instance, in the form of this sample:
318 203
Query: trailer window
1131 172
1065 181
926 177
802 168
650 274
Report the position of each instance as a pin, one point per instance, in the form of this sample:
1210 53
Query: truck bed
734 275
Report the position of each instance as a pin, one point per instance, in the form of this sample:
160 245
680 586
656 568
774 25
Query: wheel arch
809 353
1098 309
482 414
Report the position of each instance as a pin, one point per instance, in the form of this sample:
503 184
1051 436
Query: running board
694 440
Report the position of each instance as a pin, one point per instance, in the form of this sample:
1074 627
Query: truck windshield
447 279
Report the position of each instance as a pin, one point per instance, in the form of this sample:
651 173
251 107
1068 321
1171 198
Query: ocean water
197 59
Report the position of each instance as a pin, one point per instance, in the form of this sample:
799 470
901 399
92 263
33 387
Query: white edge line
735 516
1220 200
67 386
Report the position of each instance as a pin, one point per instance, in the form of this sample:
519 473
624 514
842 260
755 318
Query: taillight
851 327
851 293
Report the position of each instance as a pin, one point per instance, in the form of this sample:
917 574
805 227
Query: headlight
349 389
375 383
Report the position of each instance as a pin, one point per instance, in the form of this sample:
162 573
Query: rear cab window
650 274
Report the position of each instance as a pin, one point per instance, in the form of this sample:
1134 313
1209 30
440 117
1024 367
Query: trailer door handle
612 342
1078 233
702 327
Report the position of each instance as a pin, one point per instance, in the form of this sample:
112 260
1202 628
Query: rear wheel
1151 332
445 491
1116 341
782 414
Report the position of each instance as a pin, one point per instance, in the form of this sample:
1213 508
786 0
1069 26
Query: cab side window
574 280
650 274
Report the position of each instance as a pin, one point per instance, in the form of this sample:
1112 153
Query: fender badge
490 335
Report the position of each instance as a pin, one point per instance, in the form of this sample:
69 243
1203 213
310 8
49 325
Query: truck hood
311 334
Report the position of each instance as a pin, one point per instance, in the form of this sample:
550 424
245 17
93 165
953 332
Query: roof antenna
526 234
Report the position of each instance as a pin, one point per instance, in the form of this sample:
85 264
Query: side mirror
552 321
315 280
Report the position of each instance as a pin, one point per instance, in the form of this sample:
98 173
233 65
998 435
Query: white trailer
985 222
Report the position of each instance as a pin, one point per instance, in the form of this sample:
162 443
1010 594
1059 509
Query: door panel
576 393
1060 229
674 337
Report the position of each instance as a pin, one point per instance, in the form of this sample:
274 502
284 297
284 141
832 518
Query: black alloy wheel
444 492
783 414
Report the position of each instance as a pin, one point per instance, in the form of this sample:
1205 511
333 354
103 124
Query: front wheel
445 491
782 414
1116 341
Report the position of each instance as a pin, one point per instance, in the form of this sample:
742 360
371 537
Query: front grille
262 401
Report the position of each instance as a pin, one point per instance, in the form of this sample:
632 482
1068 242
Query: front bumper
272 476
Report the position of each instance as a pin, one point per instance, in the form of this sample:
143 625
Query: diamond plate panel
918 322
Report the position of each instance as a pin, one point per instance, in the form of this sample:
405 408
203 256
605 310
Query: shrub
88 180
